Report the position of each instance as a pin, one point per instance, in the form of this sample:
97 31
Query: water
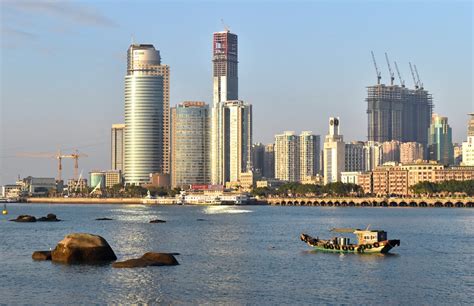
238 255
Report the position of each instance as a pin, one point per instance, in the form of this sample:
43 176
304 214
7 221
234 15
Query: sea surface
241 255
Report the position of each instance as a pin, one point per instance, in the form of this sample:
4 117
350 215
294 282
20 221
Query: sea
241 255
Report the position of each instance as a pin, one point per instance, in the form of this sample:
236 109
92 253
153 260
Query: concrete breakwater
58 200
373 202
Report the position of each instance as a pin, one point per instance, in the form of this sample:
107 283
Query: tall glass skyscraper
117 145
144 99
440 142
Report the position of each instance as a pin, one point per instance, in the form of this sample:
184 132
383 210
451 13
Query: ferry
369 241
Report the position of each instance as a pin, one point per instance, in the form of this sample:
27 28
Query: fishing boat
4 211
369 241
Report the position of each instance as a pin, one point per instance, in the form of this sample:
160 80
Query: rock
49 218
83 248
148 259
201 219
24 218
41 255
157 221
103 219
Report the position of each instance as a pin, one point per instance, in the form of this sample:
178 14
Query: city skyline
81 121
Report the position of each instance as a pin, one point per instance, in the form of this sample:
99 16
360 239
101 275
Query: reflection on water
239 258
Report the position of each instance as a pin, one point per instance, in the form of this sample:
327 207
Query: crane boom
379 76
392 75
418 77
413 76
402 82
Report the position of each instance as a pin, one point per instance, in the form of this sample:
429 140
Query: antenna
413 76
225 26
402 82
418 77
392 75
379 76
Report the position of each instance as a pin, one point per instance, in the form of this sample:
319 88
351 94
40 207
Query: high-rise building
457 149
398 113
117 146
468 146
354 157
373 155
309 149
144 112
411 152
440 142
287 157
258 157
190 133
391 151
269 161
334 153
225 67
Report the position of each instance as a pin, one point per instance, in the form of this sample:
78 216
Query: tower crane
59 157
392 75
413 76
379 76
418 77
402 82
227 29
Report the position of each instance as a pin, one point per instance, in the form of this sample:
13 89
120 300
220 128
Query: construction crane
418 77
413 76
227 29
402 82
59 157
392 75
379 76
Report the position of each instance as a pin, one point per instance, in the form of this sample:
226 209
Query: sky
63 65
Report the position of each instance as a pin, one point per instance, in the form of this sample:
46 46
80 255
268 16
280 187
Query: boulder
24 218
148 259
41 255
49 218
103 219
157 221
83 248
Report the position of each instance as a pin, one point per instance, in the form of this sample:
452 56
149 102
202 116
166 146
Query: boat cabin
371 236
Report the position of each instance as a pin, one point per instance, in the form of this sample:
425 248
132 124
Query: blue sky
63 65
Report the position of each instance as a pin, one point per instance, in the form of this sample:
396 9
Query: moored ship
369 241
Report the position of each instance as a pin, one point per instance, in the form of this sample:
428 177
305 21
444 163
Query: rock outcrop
157 221
103 219
41 255
83 248
49 218
24 218
148 259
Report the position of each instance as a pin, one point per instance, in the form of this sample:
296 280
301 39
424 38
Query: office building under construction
396 112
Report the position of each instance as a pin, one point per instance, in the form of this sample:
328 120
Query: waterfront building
77 185
411 152
225 88
287 157
354 156
159 180
309 146
11 191
190 154
373 154
97 179
391 151
334 153
351 177
34 186
468 146
144 114
117 145
269 183
112 178
258 157
457 153
440 143
269 161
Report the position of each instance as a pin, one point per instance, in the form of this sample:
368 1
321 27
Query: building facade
373 154
354 157
468 146
287 157
440 142
258 158
190 154
269 161
117 145
144 114
411 152
391 151
309 146
334 153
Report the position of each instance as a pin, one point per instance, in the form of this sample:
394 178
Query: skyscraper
309 146
258 157
468 146
231 124
287 157
190 156
354 157
334 153
117 146
269 161
440 142
144 109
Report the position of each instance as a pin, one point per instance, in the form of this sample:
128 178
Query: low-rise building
11 191
351 177
35 186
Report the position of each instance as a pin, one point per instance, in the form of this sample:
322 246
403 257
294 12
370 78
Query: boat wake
212 210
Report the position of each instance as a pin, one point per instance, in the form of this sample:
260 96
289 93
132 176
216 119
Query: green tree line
298 189
452 186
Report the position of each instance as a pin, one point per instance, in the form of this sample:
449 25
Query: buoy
5 212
